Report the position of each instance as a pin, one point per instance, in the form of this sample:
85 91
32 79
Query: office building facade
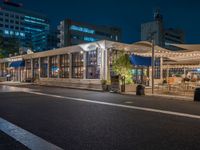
24 25
73 33
162 36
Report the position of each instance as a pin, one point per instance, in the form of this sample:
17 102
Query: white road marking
26 138
121 105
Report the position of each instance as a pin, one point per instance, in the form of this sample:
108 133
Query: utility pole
152 40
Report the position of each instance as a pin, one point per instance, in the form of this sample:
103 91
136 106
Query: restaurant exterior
86 65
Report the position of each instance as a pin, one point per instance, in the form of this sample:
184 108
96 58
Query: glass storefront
36 68
77 65
44 67
93 69
28 69
140 75
53 66
64 66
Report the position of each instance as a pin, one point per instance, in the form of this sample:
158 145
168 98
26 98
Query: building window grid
64 66
77 65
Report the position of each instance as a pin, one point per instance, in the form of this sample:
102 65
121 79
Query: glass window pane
77 65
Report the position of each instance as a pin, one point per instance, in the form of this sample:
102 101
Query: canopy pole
152 65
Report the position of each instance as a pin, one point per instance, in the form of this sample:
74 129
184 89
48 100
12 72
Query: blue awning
17 64
140 60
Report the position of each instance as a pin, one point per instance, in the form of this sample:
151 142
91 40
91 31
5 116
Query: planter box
2 79
94 84
130 87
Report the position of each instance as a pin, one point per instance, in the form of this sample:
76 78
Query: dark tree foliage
8 46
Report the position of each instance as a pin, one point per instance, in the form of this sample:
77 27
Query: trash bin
140 90
197 94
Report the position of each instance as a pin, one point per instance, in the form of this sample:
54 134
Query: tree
8 45
122 66
11 45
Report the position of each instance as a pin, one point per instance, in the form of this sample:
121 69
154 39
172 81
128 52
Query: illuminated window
33 29
64 66
89 39
93 69
28 69
11 32
116 38
27 20
36 68
44 67
33 18
17 33
77 65
22 34
53 65
6 32
82 29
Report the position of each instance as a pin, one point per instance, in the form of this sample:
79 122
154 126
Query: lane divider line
26 138
121 105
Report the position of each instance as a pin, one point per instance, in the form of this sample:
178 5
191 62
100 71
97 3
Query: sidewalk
14 83
8 143
175 97
172 97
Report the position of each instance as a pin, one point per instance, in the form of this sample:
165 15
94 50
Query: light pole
151 36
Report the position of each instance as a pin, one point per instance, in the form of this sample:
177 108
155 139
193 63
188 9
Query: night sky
126 14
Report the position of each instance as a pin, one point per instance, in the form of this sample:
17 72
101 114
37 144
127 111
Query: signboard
115 83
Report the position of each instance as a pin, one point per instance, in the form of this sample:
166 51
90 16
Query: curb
183 98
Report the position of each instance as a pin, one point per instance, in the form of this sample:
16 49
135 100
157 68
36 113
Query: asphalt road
89 122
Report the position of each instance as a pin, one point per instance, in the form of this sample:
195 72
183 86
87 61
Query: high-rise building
52 39
73 33
162 36
30 28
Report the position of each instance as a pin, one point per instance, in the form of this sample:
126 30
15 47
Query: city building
163 37
52 39
73 33
44 40
86 65
30 28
